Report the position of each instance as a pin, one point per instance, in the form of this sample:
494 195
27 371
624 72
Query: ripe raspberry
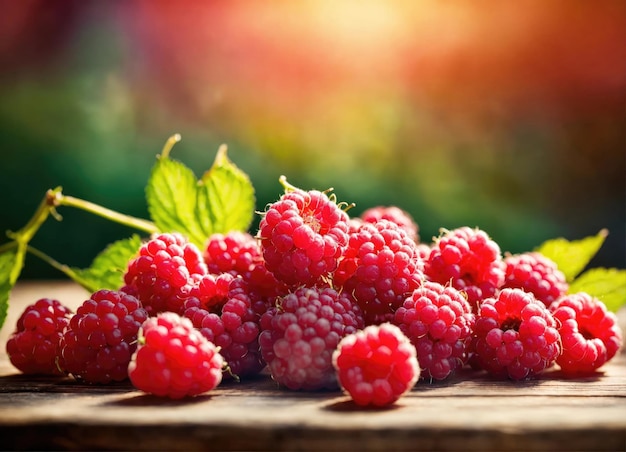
590 334
101 337
239 253
173 359
34 345
164 272
515 335
394 214
533 272
439 322
469 260
377 365
380 268
233 326
303 235
300 334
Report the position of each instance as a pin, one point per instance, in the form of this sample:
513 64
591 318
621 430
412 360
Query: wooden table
469 412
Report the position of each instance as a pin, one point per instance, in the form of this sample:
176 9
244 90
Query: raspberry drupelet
439 322
394 214
533 272
101 337
303 235
164 272
34 345
380 268
515 336
469 260
299 336
590 334
377 365
173 359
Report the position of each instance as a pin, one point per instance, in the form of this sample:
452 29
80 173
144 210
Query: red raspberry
439 322
239 253
164 272
300 334
394 214
34 345
173 359
533 272
469 260
381 267
303 235
377 365
233 326
590 334
101 337
515 335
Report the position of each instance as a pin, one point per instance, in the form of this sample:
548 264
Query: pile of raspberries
321 301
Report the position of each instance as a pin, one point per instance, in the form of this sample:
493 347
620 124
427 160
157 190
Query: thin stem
61 267
169 144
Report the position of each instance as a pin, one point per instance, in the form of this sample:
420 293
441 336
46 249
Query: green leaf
222 201
107 269
571 257
607 284
9 261
227 197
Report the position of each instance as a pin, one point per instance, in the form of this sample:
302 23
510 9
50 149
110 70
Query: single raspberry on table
299 335
164 272
380 268
590 334
394 214
97 345
240 254
439 322
515 336
534 272
303 235
233 325
377 365
469 260
173 359
34 345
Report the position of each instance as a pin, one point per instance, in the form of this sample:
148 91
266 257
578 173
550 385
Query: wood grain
469 412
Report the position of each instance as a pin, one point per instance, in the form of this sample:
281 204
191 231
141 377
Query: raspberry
590 334
533 272
239 253
101 337
233 326
377 365
515 335
303 235
469 260
34 345
381 267
394 214
300 334
164 272
173 359
439 322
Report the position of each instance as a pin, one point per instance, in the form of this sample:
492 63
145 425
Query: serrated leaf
572 257
607 284
8 263
222 201
107 269
226 197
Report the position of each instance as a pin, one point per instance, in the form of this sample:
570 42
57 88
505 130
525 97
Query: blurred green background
508 116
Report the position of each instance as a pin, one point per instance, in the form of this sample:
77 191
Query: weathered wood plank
469 412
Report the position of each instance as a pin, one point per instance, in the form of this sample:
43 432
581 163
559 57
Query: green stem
61 267
169 144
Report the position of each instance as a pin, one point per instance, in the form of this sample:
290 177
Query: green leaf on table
222 201
607 284
107 269
571 257
9 262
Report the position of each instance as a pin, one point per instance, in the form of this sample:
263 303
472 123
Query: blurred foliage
522 134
